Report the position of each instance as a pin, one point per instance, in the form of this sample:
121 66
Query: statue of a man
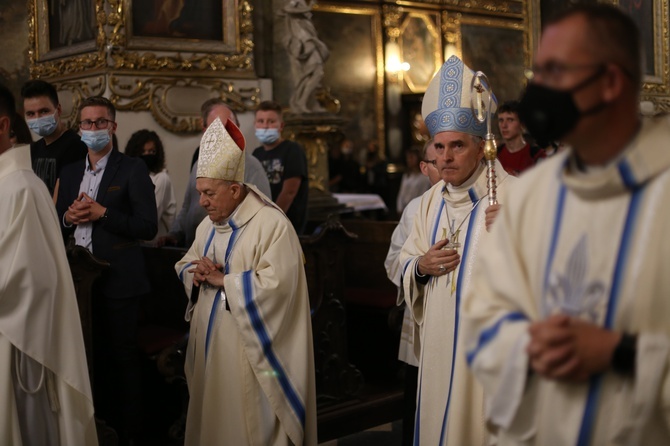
307 54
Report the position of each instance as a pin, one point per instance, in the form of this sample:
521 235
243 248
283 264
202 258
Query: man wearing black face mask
568 312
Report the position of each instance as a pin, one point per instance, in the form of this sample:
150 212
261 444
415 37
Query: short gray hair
425 148
476 140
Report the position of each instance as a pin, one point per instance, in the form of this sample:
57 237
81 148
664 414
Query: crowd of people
540 319
112 203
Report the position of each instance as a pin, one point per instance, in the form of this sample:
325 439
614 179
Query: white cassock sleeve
497 311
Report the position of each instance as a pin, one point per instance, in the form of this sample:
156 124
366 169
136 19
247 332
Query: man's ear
5 125
236 189
423 166
615 78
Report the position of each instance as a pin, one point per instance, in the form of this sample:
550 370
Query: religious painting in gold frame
652 18
354 72
182 25
14 65
225 45
420 46
65 28
66 37
496 47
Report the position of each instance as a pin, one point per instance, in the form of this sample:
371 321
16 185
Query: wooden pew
371 343
374 330
85 269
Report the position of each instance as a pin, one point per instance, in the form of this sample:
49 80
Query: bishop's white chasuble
250 364
449 400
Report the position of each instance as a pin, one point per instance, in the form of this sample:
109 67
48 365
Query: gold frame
655 88
659 82
432 21
66 61
229 43
376 24
504 24
114 49
497 8
181 55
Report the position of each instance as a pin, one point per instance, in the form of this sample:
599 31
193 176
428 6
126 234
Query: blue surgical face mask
95 140
43 126
267 136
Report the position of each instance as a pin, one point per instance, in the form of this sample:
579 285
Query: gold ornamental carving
661 104
451 31
507 8
316 133
392 15
157 94
112 45
72 93
48 62
233 54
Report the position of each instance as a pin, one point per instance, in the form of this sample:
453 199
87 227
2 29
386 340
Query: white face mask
43 126
95 140
267 136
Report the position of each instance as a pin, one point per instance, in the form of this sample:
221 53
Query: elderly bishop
249 363
437 259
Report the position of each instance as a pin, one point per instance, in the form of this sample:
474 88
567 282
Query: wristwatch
625 355
104 216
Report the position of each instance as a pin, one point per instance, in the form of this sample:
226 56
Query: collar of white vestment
473 189
644 158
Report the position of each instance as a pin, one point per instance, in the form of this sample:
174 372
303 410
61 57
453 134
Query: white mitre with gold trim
222 152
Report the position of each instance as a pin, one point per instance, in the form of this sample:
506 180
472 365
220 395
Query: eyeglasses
100 123
433 162
556 70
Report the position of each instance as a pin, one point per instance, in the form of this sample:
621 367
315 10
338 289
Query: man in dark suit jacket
107 201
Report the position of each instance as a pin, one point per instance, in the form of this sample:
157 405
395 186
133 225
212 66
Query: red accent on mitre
236 134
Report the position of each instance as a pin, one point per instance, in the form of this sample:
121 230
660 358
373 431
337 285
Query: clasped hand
206 271
84 209
566 348
438 261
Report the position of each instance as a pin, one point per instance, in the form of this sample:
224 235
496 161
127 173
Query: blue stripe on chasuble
209 240
417 416
490 333
590 411
181 273
627 174
212 318
214 310
464 259
558 218
231 244
473 195
260 330
433 238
